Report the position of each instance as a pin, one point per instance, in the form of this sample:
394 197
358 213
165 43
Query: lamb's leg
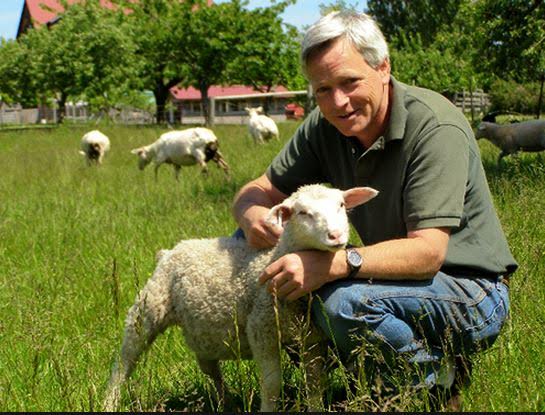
146 319
156 170
212 369
270 379
177 172
264 345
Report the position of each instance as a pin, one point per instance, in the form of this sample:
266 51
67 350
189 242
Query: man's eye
351 81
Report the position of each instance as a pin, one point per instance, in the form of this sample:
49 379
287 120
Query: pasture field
77 244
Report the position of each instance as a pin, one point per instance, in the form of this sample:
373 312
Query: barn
186 102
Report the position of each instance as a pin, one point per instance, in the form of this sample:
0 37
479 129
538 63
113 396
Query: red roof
41 16
216 91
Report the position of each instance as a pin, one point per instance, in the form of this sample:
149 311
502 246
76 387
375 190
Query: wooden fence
472 101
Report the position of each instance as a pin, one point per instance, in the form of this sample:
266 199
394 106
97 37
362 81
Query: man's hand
299 273
251 208
259 233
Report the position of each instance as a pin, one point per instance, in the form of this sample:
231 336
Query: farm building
46 12
230 101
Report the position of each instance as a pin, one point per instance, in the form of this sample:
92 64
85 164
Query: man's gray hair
358 28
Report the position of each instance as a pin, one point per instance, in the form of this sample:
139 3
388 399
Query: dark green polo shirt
428 170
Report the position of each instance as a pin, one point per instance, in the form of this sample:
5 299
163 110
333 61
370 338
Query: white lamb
261 127
210 288
183 148
94 146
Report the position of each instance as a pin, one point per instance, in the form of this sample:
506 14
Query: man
431 279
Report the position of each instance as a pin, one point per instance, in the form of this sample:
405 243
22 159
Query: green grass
77 244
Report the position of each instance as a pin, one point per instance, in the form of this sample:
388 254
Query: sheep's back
93 137
177 147
212 287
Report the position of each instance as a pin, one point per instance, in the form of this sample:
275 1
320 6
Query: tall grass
77 244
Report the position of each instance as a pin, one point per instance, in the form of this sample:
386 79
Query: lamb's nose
334 235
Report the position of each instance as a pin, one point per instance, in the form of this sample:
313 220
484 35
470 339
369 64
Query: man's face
349 92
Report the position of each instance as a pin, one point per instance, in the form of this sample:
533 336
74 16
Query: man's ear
358 196
384 71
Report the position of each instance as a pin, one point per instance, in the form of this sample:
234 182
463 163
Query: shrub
506 95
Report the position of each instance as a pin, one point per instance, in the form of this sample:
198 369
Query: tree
17 83
86 54
269 52
511 39
411 17
160 29
213 37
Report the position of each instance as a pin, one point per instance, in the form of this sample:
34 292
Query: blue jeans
419 321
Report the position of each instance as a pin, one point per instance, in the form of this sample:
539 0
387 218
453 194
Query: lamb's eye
305 213
342 205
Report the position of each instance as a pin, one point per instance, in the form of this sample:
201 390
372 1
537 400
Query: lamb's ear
358 195
82 153
259 109
137 151
280 213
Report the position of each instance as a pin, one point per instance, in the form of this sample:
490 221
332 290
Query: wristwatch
354 261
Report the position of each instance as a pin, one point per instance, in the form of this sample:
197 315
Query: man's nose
339 97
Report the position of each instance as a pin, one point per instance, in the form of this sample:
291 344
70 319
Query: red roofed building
40 12
230 101
186 101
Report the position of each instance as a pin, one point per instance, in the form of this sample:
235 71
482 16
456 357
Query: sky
303 13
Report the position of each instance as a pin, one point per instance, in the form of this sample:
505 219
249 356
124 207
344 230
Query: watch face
354 258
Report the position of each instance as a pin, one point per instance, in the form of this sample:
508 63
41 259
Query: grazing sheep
94 146
261 127
210 288
511 138
182 148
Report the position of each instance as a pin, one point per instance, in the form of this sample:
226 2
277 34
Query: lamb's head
94 150
314 217
482 130
254 111
144 156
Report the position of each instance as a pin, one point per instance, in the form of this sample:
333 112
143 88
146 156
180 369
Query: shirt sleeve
298 163
436 179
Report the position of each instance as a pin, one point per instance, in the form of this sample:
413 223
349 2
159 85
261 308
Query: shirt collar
398 112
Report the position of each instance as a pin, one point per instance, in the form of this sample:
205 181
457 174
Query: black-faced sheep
183 148
210 288
511 138
261 127
94 146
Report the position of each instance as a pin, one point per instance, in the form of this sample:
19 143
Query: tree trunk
540 100
203 88
62 109
161 95
268 100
